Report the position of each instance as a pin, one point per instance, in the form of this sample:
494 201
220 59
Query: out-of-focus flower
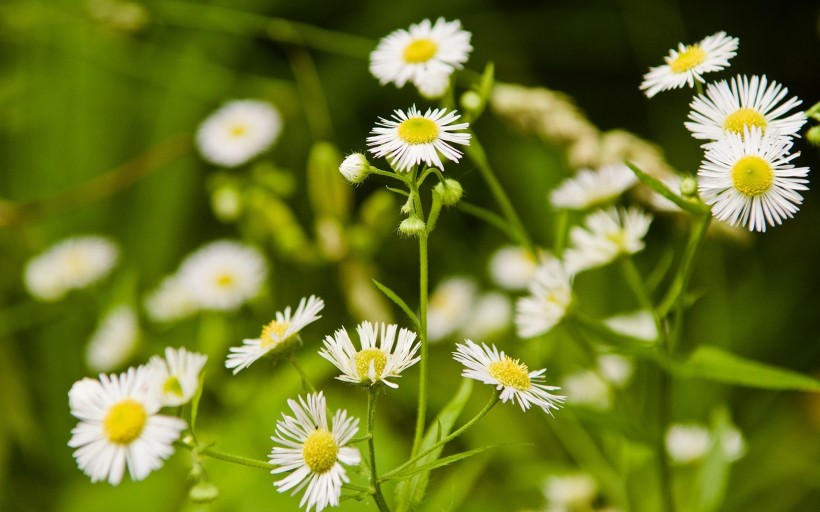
550 296
238 131
171 301
512 267
587 388
590 188
449 307
114 340
606 235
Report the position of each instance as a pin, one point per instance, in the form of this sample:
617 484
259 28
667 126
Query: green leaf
658 186
399 302
195 402
426 468
718 365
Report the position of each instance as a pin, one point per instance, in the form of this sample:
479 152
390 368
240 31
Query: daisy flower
68 265
550 296
512 267
114 340
412 138
607 234
425 55
177 375
508 375
589 188
119 426
238 131
170 301
689 63
277 335
313 452
378 360
450 306
749 181
223 275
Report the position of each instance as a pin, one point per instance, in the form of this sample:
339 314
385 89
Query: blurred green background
83 91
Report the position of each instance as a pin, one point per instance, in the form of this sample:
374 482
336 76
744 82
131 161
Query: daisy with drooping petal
223 275
747 103
425 55
114 340
238 131
378 359
590 188
606 235
119 426
277 335
550 296
68 265
508 375
748 180
689 63
177 375
314 452
411 138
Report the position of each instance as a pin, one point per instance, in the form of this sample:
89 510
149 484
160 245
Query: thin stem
227 457
561 231
423 368
374 475
660 445
305 379
354 487
313 96
636 283
490 404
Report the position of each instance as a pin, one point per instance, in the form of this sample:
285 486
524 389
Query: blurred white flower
512 267
491 315
450 305
587 388
687 443
238 131
177 375
171 301
114 341
573 491
733 443
550 296
638 324
615 369
606 235
590 188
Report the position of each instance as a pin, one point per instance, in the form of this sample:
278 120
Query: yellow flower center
320 451
692 56
125 421
418 130
744 118
364 358
273 332
172 386
420 50
238 130
752 176
224 280
510 372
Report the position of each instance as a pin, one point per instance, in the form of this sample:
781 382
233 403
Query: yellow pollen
687 59
172 386
752 176
363 359
238 130
273 332
511 373
420 50
418 130
744 118
320 451
224 280
125 421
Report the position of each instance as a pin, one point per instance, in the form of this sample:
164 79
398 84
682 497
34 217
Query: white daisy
425 55
313 452
171 301
550 296
223 274
574 491
590 188
114 340
238 131
449 306
510 376
607 234
587 388
277 335
378 359
747 103
69 264
412 138
119 426
177 375
512 267
687 443
749 181
689 63
490 316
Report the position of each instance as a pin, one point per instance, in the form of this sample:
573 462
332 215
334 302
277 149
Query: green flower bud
412 226
203 492
226 202
689 186
355 168
470 101
450 191
813 135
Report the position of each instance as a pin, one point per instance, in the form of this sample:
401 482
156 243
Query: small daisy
425 55
372 363
607 234
747 103
550 296
114 340
590 188
178 375
238 131
277 335
223 275
313 452
171 301
508 375
119 426
512 267
450 306
412 138
749 181
687 443
68 265
689 63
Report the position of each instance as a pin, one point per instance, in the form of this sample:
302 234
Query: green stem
698 87
305 380
476 153
660 444
492 219
374 475
233 459
423 367
354 487
561 231
310 89
636 283
490 404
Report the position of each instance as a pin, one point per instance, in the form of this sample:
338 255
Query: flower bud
412 226
355 168
203 492
688 186
470 101
813 135
226 203
450 191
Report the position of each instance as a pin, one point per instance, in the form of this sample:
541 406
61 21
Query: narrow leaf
399 302
426 468
658 186
195 402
